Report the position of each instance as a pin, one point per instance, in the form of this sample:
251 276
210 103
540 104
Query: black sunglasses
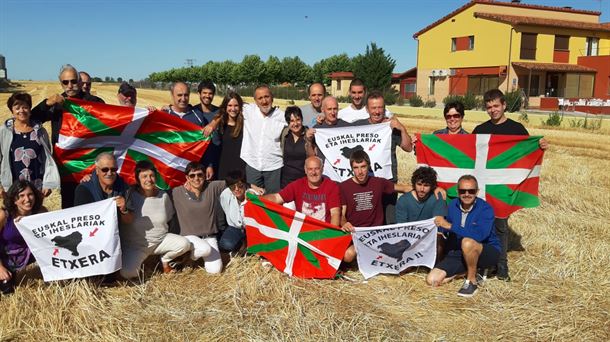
467 191
198 175
453 116
66 82
111 169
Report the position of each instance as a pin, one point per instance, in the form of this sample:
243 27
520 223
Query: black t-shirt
508 127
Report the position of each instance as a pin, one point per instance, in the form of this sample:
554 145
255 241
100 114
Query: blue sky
132 38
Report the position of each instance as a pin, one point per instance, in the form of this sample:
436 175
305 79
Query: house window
591 46
339 84
608 85
410 88
479 84
562 43
528 45
462 43
431 86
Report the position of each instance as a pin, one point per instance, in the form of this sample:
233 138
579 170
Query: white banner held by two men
76 242
338 144
393 248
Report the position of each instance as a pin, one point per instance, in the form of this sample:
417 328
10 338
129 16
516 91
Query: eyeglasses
236 186
467 191
198 175
453 116
66 82
111 169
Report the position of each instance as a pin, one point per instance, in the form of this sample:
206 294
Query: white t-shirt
350 114
260 147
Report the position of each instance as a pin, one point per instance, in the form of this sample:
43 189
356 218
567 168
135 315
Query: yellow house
548 52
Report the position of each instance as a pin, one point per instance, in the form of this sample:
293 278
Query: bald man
314 195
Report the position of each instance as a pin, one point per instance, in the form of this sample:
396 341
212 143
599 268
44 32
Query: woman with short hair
454 115
295 147
148 232
25 150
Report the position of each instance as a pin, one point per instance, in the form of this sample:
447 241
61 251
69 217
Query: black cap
127 90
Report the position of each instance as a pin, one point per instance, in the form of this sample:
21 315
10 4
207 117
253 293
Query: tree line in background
374 67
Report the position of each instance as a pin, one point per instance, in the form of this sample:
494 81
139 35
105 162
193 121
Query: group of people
278 157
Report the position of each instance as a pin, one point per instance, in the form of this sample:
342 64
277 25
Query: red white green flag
507 167
296 244
131 134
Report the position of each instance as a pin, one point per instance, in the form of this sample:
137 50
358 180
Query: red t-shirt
313 202
363 201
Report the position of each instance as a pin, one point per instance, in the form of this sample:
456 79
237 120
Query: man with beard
51 109
207 90
260 149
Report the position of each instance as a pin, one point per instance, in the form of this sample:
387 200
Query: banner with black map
393 248
338 144
73 243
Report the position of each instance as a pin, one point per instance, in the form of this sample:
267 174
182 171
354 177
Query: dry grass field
559 266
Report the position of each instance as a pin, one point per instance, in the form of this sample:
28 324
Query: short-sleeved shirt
310 114
508 127
313 202
260 148
364 201
197 215
409 209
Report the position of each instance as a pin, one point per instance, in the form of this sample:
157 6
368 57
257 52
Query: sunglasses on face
467 191
197 175
236 186
453 116
66 82
111 169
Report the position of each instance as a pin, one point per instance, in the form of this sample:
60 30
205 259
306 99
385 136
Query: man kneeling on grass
472 242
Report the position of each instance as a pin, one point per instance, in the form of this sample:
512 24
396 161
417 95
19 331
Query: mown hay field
559 266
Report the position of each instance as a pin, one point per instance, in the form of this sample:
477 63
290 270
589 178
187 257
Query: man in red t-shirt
361 197
314 195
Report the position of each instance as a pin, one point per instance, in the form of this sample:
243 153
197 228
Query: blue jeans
231 239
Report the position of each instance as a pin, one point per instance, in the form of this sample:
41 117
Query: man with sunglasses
498 123
197 206
103 184
51 109
472 243
85 80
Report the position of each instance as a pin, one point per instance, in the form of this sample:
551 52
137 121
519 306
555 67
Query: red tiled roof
535 21
341 74
407 73
561 67
498 3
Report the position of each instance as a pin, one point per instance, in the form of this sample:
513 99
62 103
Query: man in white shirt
260 149
357 109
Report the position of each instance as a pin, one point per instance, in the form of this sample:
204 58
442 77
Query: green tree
251 70
375 68
119 79
322 68
227 73
273 68
295 71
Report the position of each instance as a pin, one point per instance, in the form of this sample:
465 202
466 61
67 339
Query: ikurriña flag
131 134
294 243
507 167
